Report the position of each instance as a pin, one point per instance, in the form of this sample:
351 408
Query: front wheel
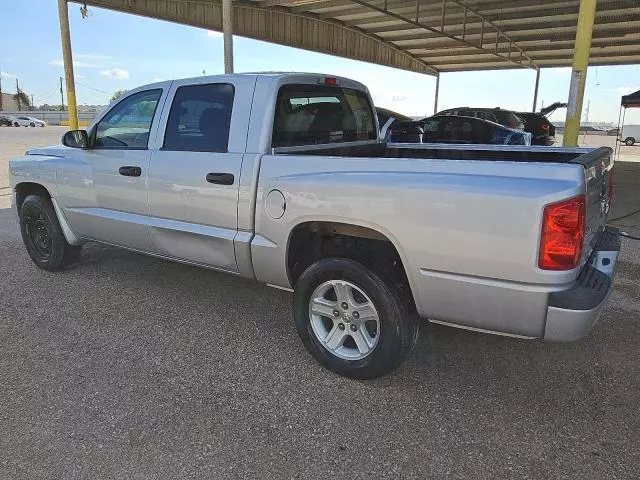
16 124
351 321
629 141
42 235
32 124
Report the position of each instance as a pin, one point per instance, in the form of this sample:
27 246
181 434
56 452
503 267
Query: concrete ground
126 366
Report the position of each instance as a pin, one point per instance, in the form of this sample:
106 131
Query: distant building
8 102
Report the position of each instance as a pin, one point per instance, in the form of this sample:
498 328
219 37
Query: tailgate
598 166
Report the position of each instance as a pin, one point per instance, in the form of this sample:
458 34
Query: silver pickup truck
282 178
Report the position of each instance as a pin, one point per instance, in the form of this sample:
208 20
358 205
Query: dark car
496 115
542 130
7 121
470 130
395 127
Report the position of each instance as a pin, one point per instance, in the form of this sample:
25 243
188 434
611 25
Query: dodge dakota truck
282 178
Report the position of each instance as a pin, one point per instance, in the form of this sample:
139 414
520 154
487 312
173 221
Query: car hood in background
548 110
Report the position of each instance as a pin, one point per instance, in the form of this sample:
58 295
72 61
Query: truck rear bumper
572 313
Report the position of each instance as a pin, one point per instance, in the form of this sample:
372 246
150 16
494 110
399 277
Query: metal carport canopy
421 36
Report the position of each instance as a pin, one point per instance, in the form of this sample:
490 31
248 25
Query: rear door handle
220 178
130 171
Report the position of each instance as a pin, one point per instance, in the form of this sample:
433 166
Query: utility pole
18 95
61 96
586 118
32 102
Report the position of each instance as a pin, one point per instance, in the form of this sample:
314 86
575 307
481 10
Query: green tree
22 99
117 94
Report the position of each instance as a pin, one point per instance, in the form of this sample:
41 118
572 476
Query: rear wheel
32 124
351 320
629 141
16 124
42 235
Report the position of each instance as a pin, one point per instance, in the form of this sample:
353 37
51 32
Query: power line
91 88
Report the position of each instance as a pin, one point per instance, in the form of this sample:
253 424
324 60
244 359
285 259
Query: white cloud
76 64
116 73
211 33
7 75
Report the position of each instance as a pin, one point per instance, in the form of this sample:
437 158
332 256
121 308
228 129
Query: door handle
129 171
220 178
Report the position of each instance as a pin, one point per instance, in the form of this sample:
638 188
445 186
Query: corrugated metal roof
419 35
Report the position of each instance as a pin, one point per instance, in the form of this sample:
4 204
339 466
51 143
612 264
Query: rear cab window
320 114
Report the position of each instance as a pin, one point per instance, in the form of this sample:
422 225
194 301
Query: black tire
16 124
42 235
398 322
32 124
629 141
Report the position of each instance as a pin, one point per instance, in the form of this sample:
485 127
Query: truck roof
279 77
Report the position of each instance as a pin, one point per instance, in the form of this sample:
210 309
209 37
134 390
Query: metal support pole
227 31
435 100
535 92
61 96
586 17
63 13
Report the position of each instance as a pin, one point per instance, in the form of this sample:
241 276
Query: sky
115 51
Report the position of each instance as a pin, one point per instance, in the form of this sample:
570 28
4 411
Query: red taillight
330 81
544 126
563 226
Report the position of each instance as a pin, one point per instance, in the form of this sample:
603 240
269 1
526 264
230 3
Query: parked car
395 127
543 132
630 134
506 118
470 130
591 130
282 178
8 121
30 122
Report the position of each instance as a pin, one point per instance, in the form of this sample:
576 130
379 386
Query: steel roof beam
626 60
538 34
506 20
532 47
277 25
523 60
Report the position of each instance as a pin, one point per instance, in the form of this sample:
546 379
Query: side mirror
76 139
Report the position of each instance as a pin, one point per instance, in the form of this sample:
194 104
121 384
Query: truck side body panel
467 232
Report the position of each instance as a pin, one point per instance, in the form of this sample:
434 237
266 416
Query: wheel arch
24 189
311 240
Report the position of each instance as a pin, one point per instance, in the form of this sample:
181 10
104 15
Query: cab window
314 114
128 124
200 118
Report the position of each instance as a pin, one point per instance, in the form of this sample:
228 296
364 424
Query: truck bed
509 153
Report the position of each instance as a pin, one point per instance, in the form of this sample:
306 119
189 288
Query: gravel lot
126 366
